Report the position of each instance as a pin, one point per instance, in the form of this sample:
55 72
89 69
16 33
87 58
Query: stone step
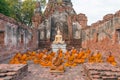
12 71
102 71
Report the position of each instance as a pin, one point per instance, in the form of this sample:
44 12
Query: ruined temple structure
59 12
103 35
15 37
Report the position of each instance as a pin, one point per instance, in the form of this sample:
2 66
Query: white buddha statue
58 38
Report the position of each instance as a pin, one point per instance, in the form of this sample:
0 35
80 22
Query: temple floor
86 71
36 72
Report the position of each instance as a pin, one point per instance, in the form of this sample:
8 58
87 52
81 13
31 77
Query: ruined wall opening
118 31
96 37
22 38
53 31
2 38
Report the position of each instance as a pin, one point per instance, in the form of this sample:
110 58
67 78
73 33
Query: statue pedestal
56 47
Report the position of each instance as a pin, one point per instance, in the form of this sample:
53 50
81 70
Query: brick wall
103 35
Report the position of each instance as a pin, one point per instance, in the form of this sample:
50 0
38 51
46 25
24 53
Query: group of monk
58 61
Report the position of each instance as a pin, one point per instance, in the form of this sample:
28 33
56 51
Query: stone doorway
2 37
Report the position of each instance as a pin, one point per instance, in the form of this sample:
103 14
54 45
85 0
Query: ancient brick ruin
13 72
59 14
101 71
104 35
15 37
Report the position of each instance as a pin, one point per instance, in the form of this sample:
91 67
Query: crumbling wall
16 35
104 34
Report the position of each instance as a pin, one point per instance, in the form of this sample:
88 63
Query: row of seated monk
59 61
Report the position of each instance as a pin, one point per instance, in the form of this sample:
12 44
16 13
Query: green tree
4 9
26 11
22 11
12 4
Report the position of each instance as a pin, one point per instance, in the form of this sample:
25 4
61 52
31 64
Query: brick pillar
69 27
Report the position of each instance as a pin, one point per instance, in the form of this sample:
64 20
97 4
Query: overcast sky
96 9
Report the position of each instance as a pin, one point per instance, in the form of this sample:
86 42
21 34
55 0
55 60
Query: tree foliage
25 11
20 11
4 8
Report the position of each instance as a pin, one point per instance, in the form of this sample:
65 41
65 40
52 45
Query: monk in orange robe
80 57
92 58
73 50
111 60
66 55
18 55
70 61
24 57
45 62
87 52
57 64
31 55
14 61
60 53
18 59
98 57
52 53
41 54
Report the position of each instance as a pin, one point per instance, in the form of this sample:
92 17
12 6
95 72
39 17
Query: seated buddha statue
58 38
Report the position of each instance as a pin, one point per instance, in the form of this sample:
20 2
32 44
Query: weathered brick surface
15 37
102 71
103 35
12 72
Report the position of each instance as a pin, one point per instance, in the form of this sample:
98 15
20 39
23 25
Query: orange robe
70 61
80 58
98 58
111 60
45 62
66 55
92 59
57 64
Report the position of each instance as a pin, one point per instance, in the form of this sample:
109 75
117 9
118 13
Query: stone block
13 71
102 71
